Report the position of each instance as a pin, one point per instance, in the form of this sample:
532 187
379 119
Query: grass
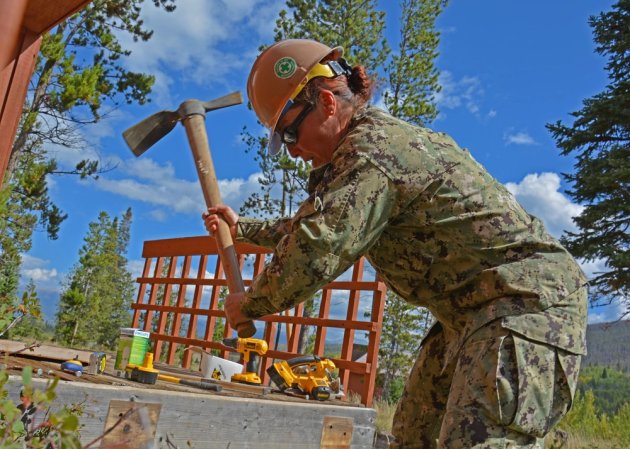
580 442
384 415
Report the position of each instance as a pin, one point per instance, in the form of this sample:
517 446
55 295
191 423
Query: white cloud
152 183
193 40
593 267
40 274
47 279
33 262
465 92
539 194
606 313
158 215
519 138
136 267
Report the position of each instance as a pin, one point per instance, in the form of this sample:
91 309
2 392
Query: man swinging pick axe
499 368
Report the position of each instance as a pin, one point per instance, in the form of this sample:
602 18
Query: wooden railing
177 294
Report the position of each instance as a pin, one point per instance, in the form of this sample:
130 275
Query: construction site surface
177 305
238 416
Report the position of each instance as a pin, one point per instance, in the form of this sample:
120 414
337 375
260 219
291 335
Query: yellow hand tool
251 348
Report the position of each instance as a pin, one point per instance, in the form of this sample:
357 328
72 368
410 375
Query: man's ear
328 101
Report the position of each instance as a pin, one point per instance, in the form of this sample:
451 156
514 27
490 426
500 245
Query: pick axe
191 113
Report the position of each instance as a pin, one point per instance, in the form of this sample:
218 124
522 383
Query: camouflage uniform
509 300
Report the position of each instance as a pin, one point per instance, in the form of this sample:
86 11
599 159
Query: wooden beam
14 80
193 246
11 18
42 15
211 420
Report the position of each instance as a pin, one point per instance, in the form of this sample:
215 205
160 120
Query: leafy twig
33 346
13 323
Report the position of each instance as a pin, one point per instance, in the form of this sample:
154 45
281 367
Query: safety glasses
289 135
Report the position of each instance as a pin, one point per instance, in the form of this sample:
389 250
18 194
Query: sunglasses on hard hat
289 135
328 69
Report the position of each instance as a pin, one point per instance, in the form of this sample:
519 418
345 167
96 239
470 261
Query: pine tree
77 80
412 76
600 139
355 25
95 303
413 82
403 329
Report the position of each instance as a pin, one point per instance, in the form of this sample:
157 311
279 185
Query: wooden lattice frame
164 270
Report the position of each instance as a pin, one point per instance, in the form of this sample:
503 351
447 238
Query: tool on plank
251 348
73 366
309 375
97 364
147 374
191 113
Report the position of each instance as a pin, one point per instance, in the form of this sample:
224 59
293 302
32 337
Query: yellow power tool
308 374
251 348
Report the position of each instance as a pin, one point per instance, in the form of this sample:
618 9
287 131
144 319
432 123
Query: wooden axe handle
196 131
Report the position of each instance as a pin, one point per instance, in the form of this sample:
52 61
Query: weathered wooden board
131 424
336 433
209 420
47 352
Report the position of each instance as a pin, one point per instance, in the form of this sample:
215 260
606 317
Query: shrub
31 424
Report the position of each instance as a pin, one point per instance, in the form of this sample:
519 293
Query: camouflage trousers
501 391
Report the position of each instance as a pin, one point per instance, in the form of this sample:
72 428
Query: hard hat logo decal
285 67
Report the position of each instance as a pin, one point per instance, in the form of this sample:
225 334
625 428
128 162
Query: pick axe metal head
142 136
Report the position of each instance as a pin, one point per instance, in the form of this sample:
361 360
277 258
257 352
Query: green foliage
32 329
600 140
585 420
610 387
597 419
31 424
413 78
277 173
94 305
404 326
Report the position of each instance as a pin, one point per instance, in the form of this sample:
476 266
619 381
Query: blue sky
507 68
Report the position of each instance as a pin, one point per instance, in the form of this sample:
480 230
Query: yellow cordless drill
251 348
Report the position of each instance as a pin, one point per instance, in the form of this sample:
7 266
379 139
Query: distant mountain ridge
608 344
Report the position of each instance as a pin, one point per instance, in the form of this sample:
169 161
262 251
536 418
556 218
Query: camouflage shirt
440 231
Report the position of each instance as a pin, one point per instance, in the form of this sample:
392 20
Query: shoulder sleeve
265 233
336 225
